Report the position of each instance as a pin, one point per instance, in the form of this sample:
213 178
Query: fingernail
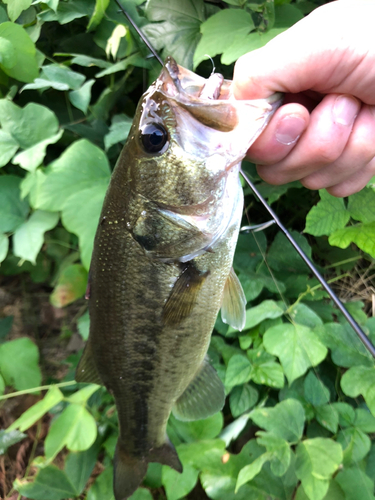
345 109
289 129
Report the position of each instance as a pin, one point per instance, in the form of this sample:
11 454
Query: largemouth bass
162 262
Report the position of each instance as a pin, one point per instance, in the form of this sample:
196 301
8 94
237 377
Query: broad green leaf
58 77
50 483
13 210
8 147
88 61
71 285
364 420
142 494
360 380
68 11
15 7
102 487
355 443
8 57
33 128
268 373
36 412
84 394
239 371
4 245
80 98
118 131
328 417
19 364
84 325
250 471
26 68
279 449
242 398
179 485
197 430
356 484
78 467
334 492
134 60
159 10
317 460
220 30
283 257
346 349
98 14
297 347
285 420
74 428
363 235
267 309
329 215
29 237
315 391
361 205
303 315
9 438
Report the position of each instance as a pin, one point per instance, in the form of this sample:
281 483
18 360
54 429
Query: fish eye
154 137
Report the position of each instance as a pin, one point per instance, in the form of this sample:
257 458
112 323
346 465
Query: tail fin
129 471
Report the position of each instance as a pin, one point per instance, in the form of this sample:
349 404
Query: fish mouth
211 100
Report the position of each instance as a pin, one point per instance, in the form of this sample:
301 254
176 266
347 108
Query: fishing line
349 318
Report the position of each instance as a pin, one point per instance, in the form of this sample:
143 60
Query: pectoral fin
233 307
86 369
203 397
183 295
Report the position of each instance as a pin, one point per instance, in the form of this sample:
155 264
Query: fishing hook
275 220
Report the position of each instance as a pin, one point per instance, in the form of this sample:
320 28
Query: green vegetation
300 412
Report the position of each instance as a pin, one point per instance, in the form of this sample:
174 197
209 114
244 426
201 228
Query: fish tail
130 471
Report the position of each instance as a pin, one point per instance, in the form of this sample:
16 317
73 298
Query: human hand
324 134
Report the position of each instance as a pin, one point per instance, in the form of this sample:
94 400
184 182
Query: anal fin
233 307
203 397
86 369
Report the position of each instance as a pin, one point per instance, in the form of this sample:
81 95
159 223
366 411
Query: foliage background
300 412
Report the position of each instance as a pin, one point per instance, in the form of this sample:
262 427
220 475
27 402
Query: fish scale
162 263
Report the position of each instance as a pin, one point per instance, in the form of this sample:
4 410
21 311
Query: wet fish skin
162 256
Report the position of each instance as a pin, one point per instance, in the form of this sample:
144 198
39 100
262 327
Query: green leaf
283 257
33 128
74 428
364 420
297 347
76 184
8 57
361 205
71 285
4 245
197 430
328 417
265 371
178 485
346 349
279 449
315 391
100 7
355 484
142 494
36 412
102 487
84 325
220 31
84 394
13 210
327 216
239 371
242 398
78 467
118 131
8 147
360 380
80 98
58 77
50 484
355 443
317 460
267 309
285 420
25 373
250 471
303 315
68 11
29 237
334 491
363 235
5 327
15 7
26 68
9 438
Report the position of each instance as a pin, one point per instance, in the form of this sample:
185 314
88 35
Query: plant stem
36 389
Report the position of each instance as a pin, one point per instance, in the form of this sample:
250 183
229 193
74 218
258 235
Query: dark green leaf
283 257
361 205
5 327
242 398
50 483
25 373
315 391
13 210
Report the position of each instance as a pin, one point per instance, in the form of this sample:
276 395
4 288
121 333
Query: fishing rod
275 220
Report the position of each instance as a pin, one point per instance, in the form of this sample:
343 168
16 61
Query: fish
161 266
